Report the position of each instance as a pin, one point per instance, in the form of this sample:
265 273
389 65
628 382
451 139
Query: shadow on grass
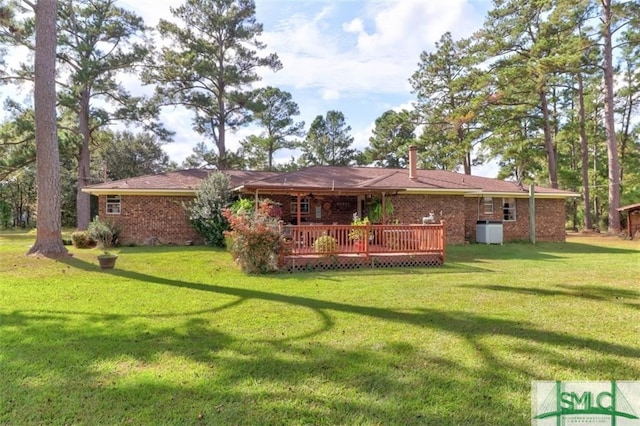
99 378
447 268
526 251
94 369
170 249
99 365
442 320
626 297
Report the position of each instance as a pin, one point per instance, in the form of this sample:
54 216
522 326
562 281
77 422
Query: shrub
206 210
105 234
82 240
243 206
325 244
254 240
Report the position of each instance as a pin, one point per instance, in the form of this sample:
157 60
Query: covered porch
315 246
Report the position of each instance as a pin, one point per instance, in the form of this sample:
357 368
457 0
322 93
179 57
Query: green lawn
177 335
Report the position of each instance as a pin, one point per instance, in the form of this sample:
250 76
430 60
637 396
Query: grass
177 335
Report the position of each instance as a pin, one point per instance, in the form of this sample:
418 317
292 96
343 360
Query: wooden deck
323 247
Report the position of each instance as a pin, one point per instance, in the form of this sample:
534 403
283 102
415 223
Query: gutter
124 191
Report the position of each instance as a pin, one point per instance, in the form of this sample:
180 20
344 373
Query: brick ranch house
152 207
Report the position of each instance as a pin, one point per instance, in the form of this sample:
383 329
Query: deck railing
366 239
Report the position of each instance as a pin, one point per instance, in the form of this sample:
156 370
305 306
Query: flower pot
287 246
107 261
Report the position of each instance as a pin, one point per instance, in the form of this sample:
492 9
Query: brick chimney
413 162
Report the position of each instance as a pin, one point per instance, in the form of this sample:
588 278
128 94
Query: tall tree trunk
83 206
626 123
221 140
49 231
270 152
584 147
609 110
467 163
221 145
548 141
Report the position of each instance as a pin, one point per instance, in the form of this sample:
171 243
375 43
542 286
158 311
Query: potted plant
105 234
376 210
325 244
358 232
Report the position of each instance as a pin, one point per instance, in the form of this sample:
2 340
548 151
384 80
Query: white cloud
331 94
317 53
351 56
407 27
361 137
355 26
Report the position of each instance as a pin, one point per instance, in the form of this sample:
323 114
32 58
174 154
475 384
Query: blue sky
352 56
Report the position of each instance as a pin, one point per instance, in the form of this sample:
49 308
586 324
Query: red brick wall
165 219
550 219
450 208
144 218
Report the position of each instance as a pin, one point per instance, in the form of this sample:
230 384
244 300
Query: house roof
181 182
334 179
629 207
327 179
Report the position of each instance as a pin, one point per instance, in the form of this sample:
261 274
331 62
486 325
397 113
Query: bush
105 234
325 244
82 240
243 206
254 240
205 211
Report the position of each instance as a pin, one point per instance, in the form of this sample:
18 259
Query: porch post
298 214
532 214
384 209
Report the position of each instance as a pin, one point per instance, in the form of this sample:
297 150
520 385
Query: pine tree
328 142
273 111
450 95
49 235
389 145
209 60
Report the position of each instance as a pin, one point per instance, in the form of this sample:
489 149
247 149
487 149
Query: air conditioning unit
489 232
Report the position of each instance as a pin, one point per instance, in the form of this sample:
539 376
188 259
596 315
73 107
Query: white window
114 204
487 202
509 209
304 206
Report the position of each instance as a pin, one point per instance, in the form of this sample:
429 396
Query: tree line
547 88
